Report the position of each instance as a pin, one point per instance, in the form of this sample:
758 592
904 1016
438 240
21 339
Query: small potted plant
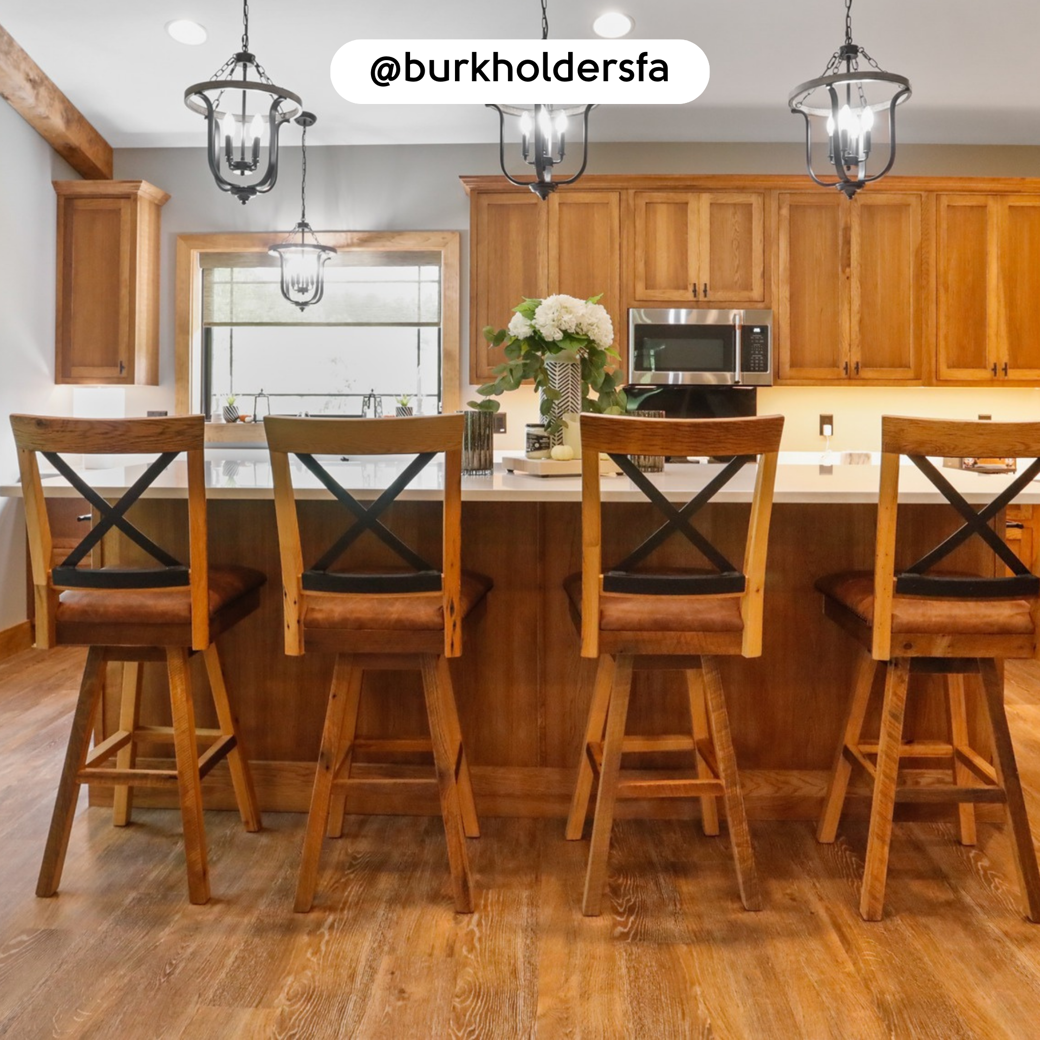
565 347
403 404
230 409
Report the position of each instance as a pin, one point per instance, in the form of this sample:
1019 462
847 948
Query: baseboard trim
512 791
15 639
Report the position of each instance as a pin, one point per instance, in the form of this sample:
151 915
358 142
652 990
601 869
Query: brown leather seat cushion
924 614
155 606
628 612
416 612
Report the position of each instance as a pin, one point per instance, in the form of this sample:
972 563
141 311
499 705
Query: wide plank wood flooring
120 953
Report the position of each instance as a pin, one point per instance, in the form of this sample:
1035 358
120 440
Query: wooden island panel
522 689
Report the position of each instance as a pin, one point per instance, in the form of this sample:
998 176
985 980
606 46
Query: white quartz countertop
801 477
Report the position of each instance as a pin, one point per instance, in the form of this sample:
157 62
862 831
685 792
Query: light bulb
846 121
866 119
545 121
561 122
256 127
830 126
227 127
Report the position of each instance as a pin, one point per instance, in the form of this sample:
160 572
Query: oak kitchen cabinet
523 247
698 247
988 288
852 294
107 322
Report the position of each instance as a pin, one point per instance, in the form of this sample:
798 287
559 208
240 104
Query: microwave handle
737 359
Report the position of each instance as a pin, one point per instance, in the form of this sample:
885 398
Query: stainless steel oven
690 346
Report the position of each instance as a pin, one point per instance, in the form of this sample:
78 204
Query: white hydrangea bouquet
561 328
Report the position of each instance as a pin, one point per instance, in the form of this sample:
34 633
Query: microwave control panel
755 349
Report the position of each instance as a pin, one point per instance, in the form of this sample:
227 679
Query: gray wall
28 214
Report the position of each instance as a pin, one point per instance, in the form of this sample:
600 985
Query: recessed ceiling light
612 24
185 31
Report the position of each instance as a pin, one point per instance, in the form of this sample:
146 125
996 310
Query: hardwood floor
120 953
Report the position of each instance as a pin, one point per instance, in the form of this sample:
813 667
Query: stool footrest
916 749
394 746
128 777
950 793
164 734
669 788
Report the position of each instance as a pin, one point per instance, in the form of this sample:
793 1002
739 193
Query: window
386 331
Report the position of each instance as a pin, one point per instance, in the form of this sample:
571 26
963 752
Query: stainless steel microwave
691 346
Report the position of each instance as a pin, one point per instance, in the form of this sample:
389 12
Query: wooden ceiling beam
30 92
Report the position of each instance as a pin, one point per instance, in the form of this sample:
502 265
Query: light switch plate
499 424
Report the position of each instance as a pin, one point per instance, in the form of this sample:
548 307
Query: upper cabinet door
667 246
812 326
96 238
585 251
888 294
732 250
1020 287
967 281
509 257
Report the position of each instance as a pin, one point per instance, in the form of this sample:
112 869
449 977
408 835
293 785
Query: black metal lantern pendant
849 98
543 137
243 110
302 261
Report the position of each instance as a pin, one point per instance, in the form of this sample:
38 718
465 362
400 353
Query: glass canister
478 459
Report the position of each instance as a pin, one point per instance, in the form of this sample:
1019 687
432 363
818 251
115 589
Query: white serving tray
553 467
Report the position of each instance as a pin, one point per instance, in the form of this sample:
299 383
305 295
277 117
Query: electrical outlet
499 424
826 425
985 418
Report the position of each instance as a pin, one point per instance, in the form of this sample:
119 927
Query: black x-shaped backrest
318 578
915 581
170 573
729 579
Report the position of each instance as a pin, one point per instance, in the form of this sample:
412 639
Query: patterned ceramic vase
230 412
564 376
402 410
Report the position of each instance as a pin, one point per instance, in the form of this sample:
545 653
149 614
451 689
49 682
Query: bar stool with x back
634 620
909 621
389 620
135 614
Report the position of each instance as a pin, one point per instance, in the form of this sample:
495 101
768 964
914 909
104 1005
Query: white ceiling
972 66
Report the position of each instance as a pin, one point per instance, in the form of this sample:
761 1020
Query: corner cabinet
107 322
698 247
988 294
523 247
852 293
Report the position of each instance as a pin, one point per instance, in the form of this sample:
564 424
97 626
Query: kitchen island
523 690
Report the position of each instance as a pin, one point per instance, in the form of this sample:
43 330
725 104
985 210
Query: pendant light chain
545 21
245 25
848 22
303 180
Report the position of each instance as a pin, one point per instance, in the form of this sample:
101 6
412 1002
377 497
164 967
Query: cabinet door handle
1005 369
705 290
695 290
122 367
994 368
846 368
857 368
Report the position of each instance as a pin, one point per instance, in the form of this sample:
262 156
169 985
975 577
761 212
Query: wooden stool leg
872 897
739 835
1007 776
603 822
129 719
444 756
90 690
958 717
470 823
593 733
344 756
699 728
238 763
344 676
851 734
189 787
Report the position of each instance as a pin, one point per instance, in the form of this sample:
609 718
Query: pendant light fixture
244 111
543 137
847 97
302 261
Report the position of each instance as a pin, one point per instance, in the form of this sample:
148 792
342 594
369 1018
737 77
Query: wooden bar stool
954 624
395 621
633 620
165 611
